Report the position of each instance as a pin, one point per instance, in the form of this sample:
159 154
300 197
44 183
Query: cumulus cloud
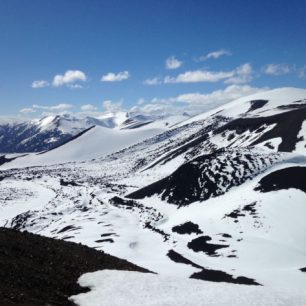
241 75
27 110
88 108
218 97
302 72
40 84
214 55
276 69
199 76
111 106
153 81
141 101
69 79
157 107
55 108
195 103
173 63
113 77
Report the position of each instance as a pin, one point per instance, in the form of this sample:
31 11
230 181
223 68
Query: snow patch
121 288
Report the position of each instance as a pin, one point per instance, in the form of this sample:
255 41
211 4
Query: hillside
218 197
38 135
36 270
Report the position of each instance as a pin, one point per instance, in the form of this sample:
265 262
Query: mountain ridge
38 135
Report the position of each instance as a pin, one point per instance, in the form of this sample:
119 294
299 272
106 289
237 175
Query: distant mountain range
17 136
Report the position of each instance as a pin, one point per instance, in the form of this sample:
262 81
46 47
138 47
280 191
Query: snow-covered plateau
214 204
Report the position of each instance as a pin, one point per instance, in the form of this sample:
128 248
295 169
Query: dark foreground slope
36 270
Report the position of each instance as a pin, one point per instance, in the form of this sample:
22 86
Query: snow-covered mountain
90 144
219 197
38 135
92 140
41 134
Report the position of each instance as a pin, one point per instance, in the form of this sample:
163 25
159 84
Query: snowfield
133 288
21 197
214 205
96 142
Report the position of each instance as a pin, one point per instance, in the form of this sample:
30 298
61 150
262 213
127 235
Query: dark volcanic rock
68 228
117 201
206 176
241 212
292 177
187 228
105 240
256 104
157 230
68 183
36 270
178 258
208 274
287 126
225 235
201 244
174 188
4 160
220 276
24 137
190 143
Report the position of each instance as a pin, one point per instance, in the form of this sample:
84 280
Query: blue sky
69 46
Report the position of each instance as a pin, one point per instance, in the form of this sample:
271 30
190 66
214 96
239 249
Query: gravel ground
35 270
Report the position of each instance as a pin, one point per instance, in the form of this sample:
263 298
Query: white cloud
173 63
244 69
153 81
218 97
111 106
76 86
88 108
113 77
302 72
199 76
277 69
214 55
40 84
69 79
156 107
141 101
55 108
192 102
27 110
195 103
241 75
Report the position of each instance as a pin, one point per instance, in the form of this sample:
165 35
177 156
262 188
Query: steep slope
208 176
35 270
94 142
43 134
39 135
